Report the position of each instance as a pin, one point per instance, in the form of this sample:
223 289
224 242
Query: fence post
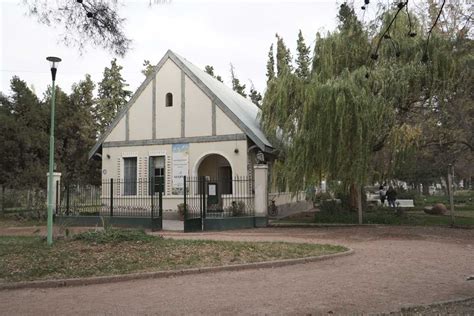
261 195
151 187
451 192
111 197
67 199
57 197
204 200
3 199
184 198
160 196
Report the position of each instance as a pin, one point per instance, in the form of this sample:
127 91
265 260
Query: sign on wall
180 165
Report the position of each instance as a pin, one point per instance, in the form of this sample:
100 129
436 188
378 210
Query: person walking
391 196
382 194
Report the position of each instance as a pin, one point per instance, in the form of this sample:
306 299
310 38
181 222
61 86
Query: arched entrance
217 169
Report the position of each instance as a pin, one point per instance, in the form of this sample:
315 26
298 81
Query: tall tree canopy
112 96
210 70
255 96
24 135
335 124
76 133
236 85
148 68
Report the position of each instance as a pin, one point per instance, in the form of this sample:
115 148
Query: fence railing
222 197
115 197
22 200
143 197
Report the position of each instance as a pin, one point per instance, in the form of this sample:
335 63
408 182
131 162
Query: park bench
405 203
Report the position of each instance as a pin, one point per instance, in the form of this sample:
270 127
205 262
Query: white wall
140 121
118 133
224 124
198 111
168 119
112 162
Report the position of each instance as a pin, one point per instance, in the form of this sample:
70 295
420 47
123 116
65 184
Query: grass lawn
12 222
120 251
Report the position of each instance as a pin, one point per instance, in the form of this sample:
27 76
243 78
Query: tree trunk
451 193
359 203
417 188
353 197
3 200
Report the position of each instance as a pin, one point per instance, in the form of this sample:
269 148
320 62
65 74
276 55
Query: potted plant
181 209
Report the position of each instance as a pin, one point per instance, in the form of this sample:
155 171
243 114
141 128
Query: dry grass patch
120 251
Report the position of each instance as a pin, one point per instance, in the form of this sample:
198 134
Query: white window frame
122 171
159 153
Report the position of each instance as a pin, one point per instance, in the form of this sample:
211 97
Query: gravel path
392 267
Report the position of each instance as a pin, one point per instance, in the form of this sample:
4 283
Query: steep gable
234 112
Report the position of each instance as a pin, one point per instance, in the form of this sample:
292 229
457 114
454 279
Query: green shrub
377 215
331 206
407 195
181 210
236 209
114 235
320 197
89 213
316 197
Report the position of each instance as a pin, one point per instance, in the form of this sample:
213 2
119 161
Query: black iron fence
208 197
115 197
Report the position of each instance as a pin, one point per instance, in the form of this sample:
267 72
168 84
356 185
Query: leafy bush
321 197
457 199
237 208
89 213
407 195
378 215
114 235
331 206
181 210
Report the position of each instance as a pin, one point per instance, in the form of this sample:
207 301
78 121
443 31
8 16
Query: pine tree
10 170
112 95
255 96
25 128
236 86
302 59
270 64
210 70
78 135
283 57
148 70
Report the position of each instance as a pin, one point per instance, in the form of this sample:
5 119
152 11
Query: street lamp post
54 61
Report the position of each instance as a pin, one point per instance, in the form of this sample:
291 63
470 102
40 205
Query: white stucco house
181 122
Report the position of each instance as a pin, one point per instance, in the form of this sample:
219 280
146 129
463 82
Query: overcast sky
204 32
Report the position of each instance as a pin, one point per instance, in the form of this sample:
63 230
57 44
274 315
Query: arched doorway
217 169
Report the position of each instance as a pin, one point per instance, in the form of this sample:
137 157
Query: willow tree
359 100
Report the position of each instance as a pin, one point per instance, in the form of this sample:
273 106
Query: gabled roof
240 110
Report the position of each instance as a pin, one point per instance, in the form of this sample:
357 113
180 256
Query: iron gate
194 206
209 200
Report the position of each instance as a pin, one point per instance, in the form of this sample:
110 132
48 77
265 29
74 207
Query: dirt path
392 267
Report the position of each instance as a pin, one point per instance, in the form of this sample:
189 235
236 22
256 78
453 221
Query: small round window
169 99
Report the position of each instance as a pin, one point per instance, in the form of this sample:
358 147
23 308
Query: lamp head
54 61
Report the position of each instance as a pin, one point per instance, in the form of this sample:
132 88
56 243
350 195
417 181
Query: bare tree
84 21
